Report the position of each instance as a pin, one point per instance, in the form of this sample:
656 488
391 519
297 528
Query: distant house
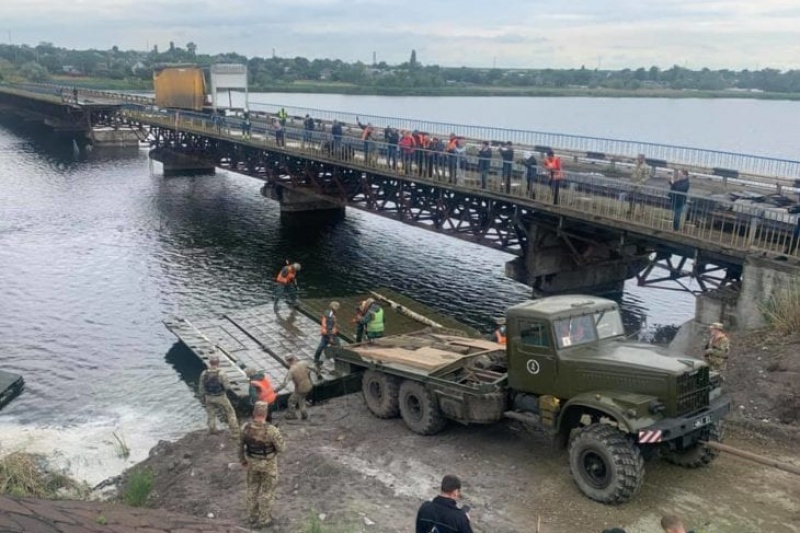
69 70
138 67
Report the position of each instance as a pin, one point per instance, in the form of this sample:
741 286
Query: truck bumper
687 430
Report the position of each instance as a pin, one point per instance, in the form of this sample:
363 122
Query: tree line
134 67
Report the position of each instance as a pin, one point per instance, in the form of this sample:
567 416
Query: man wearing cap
442 515
329 331
259 446
499 334
300 374
369 320
212 388
716 353
260 389
287 285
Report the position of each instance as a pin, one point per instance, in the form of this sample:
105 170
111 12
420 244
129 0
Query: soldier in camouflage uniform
259 445
716 354
300 374
213 388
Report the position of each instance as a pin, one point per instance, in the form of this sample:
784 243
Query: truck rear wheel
381 393
697 455
605 464
419 409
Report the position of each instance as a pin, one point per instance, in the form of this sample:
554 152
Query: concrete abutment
297 204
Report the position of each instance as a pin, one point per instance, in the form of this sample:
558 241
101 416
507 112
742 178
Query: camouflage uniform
259 445
214 401
639 176
300 374
716 353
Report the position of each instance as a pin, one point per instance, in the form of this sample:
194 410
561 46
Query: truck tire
381 393
698 455
605 464
419 409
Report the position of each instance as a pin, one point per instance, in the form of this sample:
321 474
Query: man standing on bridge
639 176
308 130
678 195
553 165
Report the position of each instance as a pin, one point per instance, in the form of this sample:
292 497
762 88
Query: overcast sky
509 33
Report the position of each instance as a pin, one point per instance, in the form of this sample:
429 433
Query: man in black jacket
442 515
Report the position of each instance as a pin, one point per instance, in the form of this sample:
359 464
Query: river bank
354 472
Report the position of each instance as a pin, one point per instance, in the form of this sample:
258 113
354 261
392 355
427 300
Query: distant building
69 70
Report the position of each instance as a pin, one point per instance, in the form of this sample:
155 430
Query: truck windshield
577 330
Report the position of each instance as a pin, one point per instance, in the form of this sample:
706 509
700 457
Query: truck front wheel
605 464
381 393
697 455
419 409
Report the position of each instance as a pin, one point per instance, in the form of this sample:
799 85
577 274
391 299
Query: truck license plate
700 422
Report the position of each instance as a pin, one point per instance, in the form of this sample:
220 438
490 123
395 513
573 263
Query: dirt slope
366 474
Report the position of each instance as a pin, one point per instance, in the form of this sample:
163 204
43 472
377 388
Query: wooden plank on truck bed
427 359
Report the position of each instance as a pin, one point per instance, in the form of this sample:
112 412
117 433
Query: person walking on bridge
336 135
287 285
553 165
484 163
329 332
639 177
366 135
678 195
308 130
391 137
507 153
259 446
531 173
212 388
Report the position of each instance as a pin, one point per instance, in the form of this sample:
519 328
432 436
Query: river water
96 250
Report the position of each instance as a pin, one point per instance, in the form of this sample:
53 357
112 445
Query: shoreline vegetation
313 87
117 69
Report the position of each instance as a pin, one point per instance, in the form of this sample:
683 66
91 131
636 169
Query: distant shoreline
457 91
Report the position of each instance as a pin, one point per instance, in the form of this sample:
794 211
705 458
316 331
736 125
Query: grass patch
782 309
25 475
122 447
138 487
315 525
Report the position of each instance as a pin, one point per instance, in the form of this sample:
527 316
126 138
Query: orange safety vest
553 164
264 390
500 337
328 315
286 275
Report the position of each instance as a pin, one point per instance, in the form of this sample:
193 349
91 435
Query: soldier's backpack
212 383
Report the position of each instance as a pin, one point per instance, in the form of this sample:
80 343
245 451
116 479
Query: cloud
514 33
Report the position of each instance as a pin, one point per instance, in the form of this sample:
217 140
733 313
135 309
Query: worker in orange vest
500 332
287 285
553 165
329 332
366 136
260 389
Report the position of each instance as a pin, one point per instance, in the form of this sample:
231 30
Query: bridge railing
600 148
749 228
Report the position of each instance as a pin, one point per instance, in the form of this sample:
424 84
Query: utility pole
374 58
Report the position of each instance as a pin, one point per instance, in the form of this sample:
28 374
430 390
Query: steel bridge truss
438 206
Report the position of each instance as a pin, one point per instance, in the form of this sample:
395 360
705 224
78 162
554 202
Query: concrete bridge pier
183 164
557 261
303 205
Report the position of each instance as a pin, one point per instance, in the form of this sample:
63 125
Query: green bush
138 487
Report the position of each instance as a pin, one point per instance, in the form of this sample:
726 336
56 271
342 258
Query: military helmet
296 266
214 359
335 306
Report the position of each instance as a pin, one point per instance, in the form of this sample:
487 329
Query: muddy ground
367 474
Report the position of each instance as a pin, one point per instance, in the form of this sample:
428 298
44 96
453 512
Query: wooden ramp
10 386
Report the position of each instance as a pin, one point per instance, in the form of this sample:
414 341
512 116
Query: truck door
532 363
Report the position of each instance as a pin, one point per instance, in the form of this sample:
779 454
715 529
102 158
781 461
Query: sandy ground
367 474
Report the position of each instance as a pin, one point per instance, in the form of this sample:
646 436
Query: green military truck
567 368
